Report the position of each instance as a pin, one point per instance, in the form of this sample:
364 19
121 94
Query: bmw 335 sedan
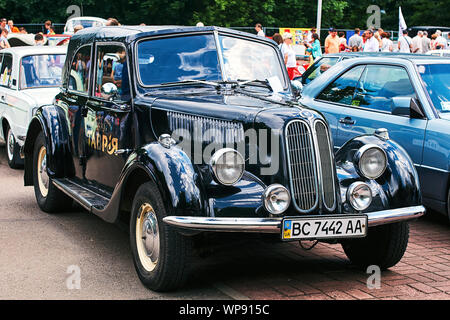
196 130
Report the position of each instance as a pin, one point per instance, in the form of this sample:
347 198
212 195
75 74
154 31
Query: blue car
409 95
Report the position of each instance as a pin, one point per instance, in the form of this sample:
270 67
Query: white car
86 22
439 53
29 78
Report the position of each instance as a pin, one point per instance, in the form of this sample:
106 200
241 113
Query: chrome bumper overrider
273 225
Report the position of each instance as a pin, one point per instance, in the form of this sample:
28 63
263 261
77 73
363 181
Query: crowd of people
370 40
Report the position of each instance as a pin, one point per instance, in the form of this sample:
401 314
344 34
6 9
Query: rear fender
51 120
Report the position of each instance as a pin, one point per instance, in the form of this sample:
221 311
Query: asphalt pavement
41 256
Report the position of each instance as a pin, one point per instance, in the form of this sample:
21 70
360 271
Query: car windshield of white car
41 71
437 82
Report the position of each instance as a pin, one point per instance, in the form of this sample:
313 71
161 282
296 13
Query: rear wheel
49 198
12 150
384 246
159 251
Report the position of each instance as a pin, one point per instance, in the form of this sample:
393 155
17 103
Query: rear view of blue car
409 95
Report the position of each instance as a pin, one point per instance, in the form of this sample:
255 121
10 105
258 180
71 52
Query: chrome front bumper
273 225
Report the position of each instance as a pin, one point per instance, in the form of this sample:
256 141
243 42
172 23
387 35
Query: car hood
41 96
239 106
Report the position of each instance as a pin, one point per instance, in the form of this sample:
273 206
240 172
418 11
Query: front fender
398 186
51 120
173 172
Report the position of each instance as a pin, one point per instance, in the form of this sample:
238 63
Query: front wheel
159 251
12 150
384 246
49 198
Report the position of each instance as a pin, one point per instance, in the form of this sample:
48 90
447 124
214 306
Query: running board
86 197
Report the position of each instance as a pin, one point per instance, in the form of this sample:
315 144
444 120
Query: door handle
347 120
122 151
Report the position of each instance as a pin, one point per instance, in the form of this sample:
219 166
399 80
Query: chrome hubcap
147 237
11 143
42 171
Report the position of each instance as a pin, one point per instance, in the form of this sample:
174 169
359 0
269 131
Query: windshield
318 68
195 57
250 60
41 71
437 82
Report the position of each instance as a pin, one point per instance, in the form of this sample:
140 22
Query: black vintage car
180 131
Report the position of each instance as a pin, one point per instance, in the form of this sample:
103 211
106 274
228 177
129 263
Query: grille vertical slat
327 166
301 161
311 166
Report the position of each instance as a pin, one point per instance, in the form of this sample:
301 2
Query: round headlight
372 161
228 166
359 195
276 199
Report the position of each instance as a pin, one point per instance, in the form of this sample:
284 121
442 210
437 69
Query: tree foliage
271 13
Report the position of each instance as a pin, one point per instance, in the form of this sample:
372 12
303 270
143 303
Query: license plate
323 227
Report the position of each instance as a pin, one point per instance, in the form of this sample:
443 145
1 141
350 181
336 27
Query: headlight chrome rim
215 165
351 192
271 191
360 154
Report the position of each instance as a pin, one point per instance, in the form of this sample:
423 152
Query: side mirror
406 106
110 90
297 87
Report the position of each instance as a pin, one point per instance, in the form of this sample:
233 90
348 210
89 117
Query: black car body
135 149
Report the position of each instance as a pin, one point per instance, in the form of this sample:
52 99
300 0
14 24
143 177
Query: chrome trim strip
431 168
395 215
264 225
273 225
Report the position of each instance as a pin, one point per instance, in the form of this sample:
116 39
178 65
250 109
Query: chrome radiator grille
310 166
302 166
207 130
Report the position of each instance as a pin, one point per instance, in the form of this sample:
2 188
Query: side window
111 81
5 70
343 88
379 84
80 70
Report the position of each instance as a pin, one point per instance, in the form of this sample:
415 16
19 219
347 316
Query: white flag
401 22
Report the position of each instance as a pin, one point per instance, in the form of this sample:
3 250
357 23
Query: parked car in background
408 95
439 53
29 78
86 22
197 130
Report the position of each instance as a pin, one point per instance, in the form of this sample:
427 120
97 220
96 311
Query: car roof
413 57
129 33
87 18
32 50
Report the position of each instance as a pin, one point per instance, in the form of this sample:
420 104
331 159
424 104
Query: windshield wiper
192 81
243 83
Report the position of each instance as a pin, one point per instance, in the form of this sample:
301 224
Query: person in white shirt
258 28
417 43
372 44
426 43
441 42
386 43
288 54
355 40
404 43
